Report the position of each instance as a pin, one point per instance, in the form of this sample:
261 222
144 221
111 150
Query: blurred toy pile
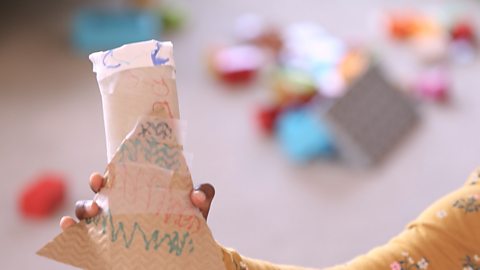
123 21
435 37
438 39
330 98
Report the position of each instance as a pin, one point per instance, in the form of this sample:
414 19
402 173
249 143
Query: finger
86 209
66 222
203 204
198 198
96 182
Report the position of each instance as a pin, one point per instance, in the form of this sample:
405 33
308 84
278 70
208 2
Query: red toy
267 118
236 64
43 196
267 115
463 31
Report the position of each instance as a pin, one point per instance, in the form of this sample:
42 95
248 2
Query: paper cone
147 220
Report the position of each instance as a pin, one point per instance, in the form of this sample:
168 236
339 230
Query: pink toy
434 85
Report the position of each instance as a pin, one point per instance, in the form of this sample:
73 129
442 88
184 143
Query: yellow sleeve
445 236
233 261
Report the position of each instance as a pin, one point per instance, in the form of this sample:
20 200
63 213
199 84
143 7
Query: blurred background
316 212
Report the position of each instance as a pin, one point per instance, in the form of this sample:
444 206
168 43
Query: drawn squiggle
161 129
160 88
155 59
109 55
151 151
159 105
175 242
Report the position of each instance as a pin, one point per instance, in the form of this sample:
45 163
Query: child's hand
201 197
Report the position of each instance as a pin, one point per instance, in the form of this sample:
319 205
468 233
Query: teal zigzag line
176 243
174 164
160 154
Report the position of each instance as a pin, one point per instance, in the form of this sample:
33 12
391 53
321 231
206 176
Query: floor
315 215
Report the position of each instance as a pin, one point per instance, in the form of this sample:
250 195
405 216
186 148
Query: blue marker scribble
158 60
109 55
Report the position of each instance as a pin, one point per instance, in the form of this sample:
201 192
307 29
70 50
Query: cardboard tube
134 80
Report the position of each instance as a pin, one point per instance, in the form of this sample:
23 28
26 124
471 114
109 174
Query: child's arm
234 261
445 236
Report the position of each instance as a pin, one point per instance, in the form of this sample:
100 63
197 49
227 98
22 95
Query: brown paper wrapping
147 219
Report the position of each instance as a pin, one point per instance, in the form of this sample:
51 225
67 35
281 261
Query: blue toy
303 135
101 29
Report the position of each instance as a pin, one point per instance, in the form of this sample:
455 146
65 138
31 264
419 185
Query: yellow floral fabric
446 236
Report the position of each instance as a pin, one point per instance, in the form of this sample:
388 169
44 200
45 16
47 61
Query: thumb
204 204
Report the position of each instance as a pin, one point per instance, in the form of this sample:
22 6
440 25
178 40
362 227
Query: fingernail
80 209
88 205
200 195
80 204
